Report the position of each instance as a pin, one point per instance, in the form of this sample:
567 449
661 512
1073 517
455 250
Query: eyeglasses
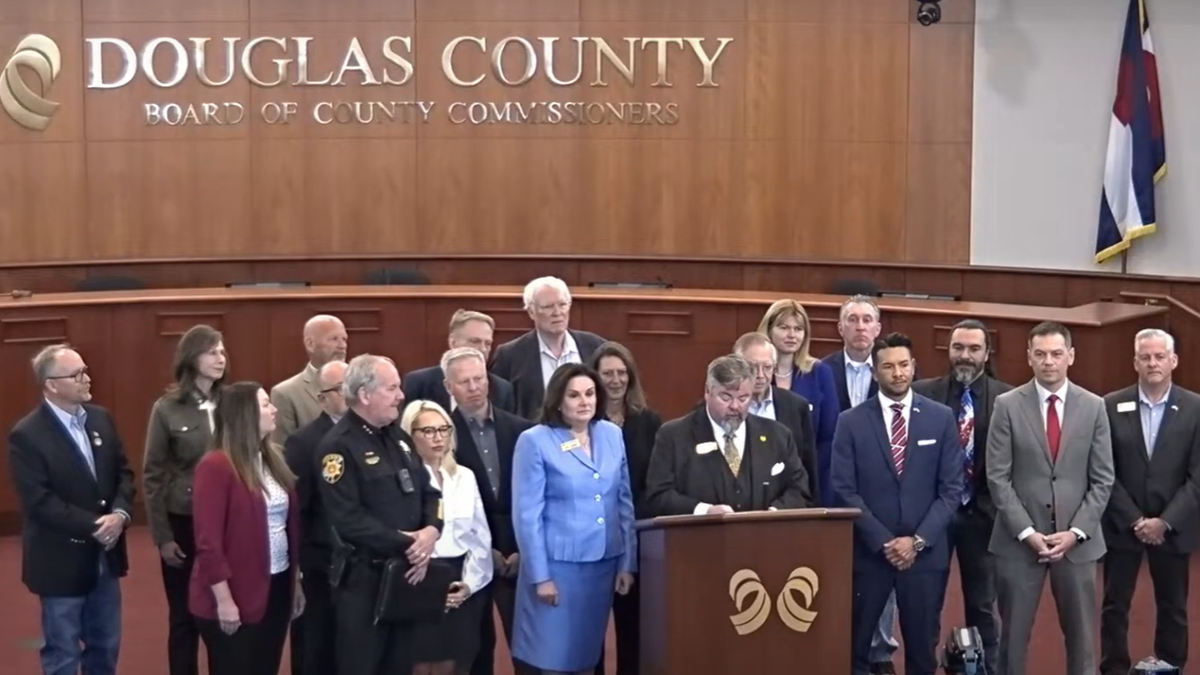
433 432
77 375
337 387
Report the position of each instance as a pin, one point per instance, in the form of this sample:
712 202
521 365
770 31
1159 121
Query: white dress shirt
550 362
739 443
905 412
1059 407
465 531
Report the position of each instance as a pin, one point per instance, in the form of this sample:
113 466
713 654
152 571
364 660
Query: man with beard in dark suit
1154 505
529 361
467 329
971 393
786 407
312 645
76 493
720 459
487 437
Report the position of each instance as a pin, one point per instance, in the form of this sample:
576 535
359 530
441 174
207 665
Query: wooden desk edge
1094 314
667 522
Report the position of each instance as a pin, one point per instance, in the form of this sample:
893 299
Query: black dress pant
253 649
972 531
626 625
183 638
1169 574
364 647
314 634
503 592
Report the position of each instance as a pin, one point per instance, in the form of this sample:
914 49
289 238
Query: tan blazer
178 435
296 400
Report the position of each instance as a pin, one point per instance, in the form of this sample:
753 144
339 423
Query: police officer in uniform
382 505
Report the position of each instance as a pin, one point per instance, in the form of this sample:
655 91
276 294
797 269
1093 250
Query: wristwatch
918 544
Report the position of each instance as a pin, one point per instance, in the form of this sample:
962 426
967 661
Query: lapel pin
1175 408
763 439
96 439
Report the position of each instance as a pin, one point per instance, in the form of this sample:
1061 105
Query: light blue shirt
766 407
1152 417
76 426
858 379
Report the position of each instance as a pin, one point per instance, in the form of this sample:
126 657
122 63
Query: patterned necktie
731 454
1053 428
966 438
899 437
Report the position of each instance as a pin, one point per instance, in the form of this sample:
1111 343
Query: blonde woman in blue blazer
573 517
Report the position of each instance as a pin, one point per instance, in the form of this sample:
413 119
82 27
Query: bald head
325 340
330 379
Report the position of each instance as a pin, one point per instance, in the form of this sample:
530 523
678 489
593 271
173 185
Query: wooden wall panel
169 198
826 118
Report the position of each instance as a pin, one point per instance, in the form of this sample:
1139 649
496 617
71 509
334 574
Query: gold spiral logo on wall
742 586
753 604
28 108
802 580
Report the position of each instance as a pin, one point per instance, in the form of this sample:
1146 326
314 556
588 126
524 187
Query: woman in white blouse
450 645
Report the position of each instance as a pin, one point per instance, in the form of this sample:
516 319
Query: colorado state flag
1137 151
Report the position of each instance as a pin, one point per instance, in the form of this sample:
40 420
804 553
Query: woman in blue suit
786 323
573 517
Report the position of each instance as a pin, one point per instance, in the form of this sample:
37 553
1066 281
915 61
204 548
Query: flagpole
1125 262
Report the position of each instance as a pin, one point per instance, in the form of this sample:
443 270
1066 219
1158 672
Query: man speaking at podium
720 459
896 458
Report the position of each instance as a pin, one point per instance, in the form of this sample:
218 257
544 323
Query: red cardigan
232 543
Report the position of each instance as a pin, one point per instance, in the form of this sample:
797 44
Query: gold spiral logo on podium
753 603
743 585
802 580
28 108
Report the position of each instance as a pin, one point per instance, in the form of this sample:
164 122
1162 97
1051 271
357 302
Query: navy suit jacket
837 362
429 384
61 500
921 501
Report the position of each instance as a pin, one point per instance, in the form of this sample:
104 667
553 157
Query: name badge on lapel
1127 406
705 448
570 445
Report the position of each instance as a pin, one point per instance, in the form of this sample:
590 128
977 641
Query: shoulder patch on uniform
333 466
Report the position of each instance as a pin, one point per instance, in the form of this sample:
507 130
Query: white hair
532 288
750 339
1151 333
458 354
46 359
363 374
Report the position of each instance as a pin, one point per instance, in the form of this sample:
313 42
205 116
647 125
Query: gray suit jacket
1029 491
296 401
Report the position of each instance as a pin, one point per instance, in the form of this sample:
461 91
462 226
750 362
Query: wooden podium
752 592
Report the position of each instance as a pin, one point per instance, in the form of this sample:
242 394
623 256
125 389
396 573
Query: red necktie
899 437
1053 428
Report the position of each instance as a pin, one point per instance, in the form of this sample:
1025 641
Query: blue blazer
818 387
568 507
922 501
